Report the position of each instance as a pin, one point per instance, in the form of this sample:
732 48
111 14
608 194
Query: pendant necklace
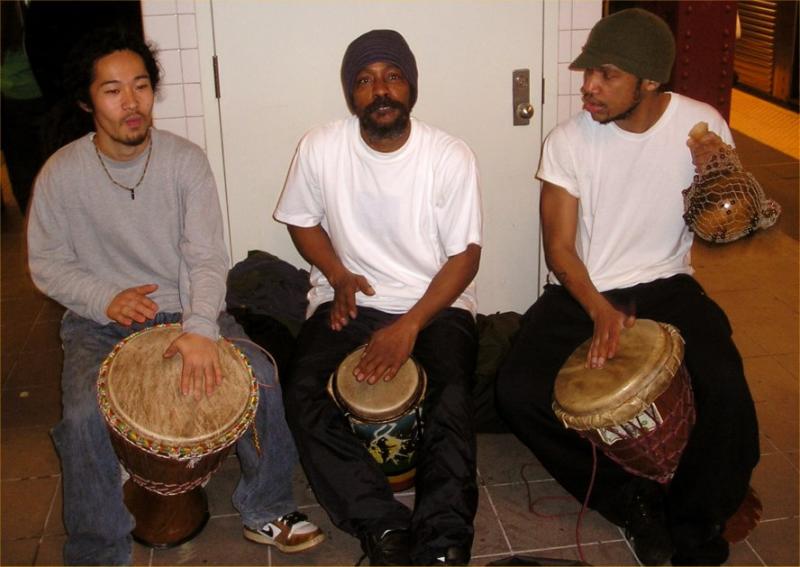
132 190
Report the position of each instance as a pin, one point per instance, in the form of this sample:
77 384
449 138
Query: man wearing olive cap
618 249
386 209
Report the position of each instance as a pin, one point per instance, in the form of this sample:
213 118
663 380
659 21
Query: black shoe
392 547
714 551
646 524
453 556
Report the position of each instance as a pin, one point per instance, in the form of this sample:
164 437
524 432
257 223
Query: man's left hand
201 365
387 350
703 149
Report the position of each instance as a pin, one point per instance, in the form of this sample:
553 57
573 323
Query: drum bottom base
402 481
163 521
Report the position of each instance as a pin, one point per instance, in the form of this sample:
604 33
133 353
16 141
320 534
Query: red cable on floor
532 503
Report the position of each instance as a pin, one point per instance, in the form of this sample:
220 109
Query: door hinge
543 91
216 75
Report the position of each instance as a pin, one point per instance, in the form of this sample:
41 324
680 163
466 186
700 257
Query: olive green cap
635 40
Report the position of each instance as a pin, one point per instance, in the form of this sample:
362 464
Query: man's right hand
345 286
132 304
609 322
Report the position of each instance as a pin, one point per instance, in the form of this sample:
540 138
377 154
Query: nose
590 82
379 87
129 101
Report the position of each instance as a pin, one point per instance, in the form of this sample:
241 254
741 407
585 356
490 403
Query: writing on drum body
647 421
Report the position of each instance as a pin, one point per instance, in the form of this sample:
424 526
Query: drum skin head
648 357
142 390
382 401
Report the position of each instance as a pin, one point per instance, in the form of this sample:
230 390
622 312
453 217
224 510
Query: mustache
383 101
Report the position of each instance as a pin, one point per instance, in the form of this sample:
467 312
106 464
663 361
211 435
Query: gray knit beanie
378 45
635 40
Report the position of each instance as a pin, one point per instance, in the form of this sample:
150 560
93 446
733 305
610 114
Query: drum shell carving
390 427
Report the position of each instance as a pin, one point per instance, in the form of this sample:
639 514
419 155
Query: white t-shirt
394 218
630 224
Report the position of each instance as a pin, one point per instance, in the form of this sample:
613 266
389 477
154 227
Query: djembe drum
724 202
385 416
169 443
638 409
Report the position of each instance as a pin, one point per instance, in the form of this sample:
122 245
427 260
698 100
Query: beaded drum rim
652 385
173 451
353 413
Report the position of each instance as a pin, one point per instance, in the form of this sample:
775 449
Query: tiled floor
755 281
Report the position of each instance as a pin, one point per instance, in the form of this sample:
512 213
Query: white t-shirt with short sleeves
630 224
394 218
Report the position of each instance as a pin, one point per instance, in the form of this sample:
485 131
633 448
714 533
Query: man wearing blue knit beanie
387 211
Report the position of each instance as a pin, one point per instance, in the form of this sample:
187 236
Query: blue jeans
97 522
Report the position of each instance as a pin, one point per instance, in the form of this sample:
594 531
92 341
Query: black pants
346 480
715 468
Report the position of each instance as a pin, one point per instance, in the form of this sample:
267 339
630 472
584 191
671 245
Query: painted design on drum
393 445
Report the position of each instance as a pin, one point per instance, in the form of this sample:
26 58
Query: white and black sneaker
290 533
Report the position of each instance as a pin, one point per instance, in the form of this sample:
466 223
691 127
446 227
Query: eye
361 81
111 91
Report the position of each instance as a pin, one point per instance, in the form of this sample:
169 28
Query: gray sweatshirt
88 240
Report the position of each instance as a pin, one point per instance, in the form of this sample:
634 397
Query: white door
279 64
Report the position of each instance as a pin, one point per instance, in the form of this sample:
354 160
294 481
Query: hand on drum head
387 350
345 286
132 304
201 365
609 322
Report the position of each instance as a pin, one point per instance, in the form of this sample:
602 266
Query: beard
384 131
637 98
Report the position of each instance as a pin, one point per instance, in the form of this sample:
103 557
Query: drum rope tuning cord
169 443
639 410
385 416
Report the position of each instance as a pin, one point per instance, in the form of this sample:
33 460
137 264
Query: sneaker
290 533
453 556
646 525
393 547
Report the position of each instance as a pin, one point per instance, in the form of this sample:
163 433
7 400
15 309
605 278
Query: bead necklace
120 185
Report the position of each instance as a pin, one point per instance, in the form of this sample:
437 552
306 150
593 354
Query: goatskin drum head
382 401
648 356
141 390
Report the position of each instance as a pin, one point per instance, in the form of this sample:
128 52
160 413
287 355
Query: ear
85 107
651 86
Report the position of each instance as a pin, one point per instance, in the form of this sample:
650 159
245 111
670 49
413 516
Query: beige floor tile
35 369
502 458
222 543
775 481
18 552
552 524
51 552
777 542
489 538
21 311
742 554
31 407
33 453
25 506
789 362
44 337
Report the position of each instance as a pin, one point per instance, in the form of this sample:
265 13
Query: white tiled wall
170 25
575 19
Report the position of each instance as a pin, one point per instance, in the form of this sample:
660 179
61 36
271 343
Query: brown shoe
290 533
